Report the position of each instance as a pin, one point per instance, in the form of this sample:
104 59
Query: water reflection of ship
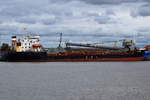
29 48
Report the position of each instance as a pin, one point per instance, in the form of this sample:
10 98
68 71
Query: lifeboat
36 45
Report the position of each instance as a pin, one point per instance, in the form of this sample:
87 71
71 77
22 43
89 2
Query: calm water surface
75 81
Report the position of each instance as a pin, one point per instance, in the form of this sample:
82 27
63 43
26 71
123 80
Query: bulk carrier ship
29 49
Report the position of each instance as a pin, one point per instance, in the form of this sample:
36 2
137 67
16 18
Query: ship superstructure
27 48
26 44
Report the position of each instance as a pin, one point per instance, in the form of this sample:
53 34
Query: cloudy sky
87 21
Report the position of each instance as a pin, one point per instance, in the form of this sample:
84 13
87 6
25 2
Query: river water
75 81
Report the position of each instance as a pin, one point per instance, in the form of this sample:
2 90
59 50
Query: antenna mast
60 41
134 38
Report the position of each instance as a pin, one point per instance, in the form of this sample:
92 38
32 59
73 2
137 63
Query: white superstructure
26 43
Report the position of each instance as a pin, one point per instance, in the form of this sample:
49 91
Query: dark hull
72 57
2 56
102 56
147 59
25 56
147 55
83 60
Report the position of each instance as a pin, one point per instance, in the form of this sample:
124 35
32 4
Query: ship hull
147 55
83 60
89 57
98 59
72 57
2 56
147 59
25 56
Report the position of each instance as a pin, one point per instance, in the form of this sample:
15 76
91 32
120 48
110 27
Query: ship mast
60 40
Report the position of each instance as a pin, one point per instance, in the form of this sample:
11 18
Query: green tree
5 47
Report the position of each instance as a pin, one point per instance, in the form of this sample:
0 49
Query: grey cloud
19 8
68 13
90 14
1 21
143 32
102 19
22 11
65 13
18 11
105 19
12 11
27 20
48 21
110 12
111 1
7 29
60 1
134 13
141 11
144 10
